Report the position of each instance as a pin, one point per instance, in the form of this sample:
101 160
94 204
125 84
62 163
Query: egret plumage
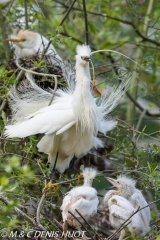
29 43
82 198
128 199
71 123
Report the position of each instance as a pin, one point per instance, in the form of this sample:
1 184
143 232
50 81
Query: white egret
29 43
125 187
82 198
120 209
72 122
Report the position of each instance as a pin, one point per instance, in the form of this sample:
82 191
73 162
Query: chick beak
15 39
87 59
113 182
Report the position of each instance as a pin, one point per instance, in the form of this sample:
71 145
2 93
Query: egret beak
15 39
113 182
87 59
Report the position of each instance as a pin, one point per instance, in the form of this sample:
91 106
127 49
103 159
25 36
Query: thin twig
86 22
26 13
39 208
80 223
24 215
36 73
88 224
70 8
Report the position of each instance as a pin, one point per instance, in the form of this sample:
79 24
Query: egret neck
84 107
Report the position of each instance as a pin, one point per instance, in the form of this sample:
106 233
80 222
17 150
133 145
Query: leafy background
129 27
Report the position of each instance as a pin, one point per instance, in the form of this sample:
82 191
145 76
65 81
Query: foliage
123 26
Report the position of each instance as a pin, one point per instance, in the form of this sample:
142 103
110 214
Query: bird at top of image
82 198
124 187
29 43
71 123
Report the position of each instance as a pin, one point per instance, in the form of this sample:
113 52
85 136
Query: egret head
83 55
89 174
123 185
25 39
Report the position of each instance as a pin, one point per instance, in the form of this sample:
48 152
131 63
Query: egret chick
120 209
125 187
29 43
72 122
83 198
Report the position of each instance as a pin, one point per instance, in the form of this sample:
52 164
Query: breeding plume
83 198
126 197
72 122
29 43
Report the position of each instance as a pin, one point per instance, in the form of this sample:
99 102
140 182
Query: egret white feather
83 198
73 118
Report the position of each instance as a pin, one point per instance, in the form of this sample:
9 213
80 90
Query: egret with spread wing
29 43
71 123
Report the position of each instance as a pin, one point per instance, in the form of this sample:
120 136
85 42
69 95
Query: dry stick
36 73
26 13
20 212
80 223
86 22
41 74
70 8
39 208
88 224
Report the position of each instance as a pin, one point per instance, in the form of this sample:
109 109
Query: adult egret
29 43
83 198
125 187
72 122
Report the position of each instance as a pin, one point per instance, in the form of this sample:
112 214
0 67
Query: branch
147 113
86 22
21 213
88 224
69 9
80 223
26 13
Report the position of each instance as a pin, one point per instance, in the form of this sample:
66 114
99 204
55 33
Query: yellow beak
15 39
112 181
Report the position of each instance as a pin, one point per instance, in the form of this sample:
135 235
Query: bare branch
21 213
86 22
69 9
88 224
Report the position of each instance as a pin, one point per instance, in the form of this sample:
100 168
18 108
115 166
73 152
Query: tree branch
69 9
86 22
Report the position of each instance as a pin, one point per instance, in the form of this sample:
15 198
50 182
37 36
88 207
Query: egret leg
54 168
49 185
72 164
